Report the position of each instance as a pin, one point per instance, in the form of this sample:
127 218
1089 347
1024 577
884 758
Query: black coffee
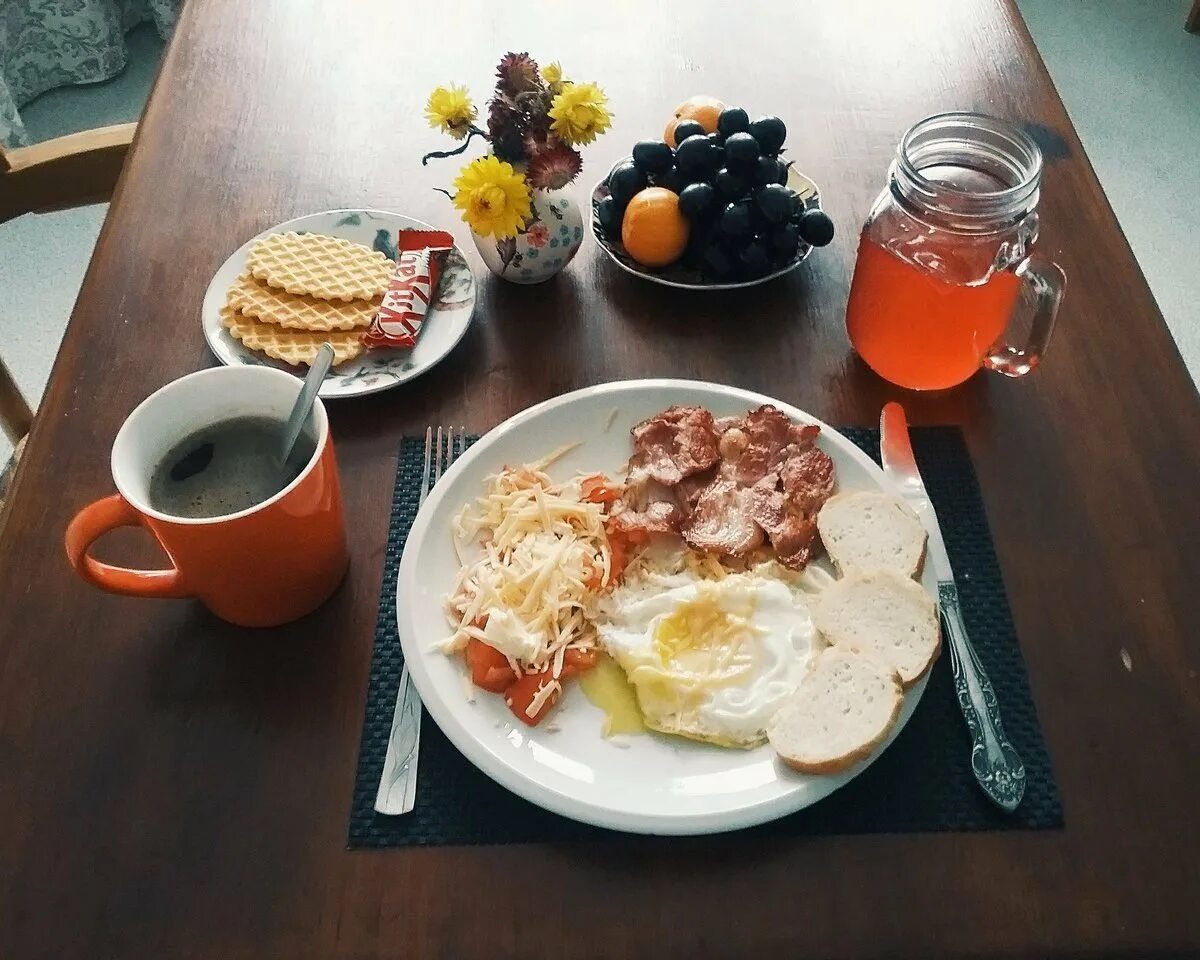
226 467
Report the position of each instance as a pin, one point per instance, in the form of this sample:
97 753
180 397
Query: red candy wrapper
421 254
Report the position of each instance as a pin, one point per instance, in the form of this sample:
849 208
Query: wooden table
174 787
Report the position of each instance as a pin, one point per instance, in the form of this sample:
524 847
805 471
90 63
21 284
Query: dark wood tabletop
171 786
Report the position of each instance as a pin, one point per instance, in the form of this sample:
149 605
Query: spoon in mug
304 400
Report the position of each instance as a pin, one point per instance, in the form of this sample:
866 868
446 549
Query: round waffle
291 346
328 268
273 305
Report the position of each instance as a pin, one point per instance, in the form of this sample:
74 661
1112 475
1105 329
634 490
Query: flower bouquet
525 226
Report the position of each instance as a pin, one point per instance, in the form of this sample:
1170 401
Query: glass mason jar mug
945 263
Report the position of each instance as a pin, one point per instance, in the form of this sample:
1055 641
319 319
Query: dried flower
553 166
494 198
534 106
517 73
579 113
534 119
450 110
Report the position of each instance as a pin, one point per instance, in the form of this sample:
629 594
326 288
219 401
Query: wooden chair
65 172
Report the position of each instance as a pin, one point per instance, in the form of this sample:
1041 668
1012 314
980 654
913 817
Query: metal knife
997 766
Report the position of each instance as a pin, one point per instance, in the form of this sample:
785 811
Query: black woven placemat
922 782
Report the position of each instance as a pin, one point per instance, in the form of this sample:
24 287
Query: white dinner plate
650 783
375 370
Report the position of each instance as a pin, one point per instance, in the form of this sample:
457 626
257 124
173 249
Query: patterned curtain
53 43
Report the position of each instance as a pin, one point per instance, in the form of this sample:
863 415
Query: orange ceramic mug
261 567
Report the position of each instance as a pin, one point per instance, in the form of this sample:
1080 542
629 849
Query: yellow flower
579 113
450 110
493 197
553 73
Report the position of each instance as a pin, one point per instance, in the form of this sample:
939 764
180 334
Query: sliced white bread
841 711
872 530
884 612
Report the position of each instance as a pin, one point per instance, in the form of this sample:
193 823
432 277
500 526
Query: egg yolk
704 636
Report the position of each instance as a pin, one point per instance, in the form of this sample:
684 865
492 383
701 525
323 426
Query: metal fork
398 785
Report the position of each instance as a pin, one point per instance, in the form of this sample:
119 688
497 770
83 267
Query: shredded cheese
529 588
544 692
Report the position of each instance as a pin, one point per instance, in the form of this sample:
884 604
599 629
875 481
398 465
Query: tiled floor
1127 71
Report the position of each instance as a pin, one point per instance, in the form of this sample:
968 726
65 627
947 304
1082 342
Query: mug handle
88 526
1047 280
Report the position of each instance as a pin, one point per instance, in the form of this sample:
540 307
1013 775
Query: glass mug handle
1047 280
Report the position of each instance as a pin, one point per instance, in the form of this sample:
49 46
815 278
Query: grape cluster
732 187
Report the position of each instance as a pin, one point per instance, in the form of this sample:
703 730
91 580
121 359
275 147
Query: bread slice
841 711
884 612
872 530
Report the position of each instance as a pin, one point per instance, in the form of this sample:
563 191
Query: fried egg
709 659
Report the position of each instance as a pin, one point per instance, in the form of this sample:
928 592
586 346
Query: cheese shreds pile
530 591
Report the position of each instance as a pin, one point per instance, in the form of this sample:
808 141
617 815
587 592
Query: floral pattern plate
375 370
687 278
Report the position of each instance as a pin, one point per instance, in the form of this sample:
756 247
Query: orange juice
920 331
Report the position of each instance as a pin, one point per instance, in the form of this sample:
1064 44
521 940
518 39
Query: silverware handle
997 766
398 784
304 400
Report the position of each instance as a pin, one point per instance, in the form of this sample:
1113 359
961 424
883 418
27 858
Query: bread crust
846 760
831 547
841 762
834 635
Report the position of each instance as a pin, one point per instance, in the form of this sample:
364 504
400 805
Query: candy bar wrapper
421 254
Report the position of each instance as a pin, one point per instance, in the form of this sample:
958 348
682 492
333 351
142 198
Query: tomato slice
616 560
520 695
576 662
593 580
598 489
489 667
619 542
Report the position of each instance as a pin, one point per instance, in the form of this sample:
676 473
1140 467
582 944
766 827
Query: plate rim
283 226
509 777
606 246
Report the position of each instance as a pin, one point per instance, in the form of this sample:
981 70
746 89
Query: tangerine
704 110
654 231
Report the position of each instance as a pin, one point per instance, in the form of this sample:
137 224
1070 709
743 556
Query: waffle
291 346
272 305
328 268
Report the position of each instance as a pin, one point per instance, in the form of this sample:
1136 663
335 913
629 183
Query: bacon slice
735 481
677 443
765 504
808 478
687 491
766 434
793 534
660 516
796 541
721 521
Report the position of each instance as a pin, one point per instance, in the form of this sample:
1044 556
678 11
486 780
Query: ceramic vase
548 242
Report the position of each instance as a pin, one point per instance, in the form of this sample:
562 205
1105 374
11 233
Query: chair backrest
64 172
15 416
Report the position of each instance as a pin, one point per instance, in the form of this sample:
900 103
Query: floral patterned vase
550 238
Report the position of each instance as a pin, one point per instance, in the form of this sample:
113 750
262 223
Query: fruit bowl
689 278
